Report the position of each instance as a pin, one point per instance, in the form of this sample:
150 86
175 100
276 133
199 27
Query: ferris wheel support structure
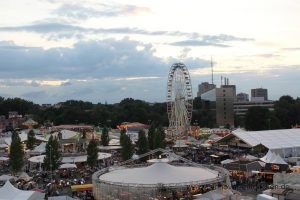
179 100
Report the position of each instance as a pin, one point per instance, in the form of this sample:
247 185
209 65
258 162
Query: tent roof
180 143
6 177
272 139
159 172
8 191
271 157
67 166
30 122
24 176
40 149
69 159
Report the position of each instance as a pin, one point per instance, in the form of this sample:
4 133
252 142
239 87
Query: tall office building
225 96
259 94
205 87
242 97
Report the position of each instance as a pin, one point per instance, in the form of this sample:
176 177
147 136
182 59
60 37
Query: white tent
180 144
8 191
6 177
77 159
3 145
24 176
267 156
227 161
3 158
159 172
250 157
37 159
39 149
271 157
284 142
279 160
74 159
67 166
215 195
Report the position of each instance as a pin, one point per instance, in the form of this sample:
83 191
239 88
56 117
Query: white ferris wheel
179 100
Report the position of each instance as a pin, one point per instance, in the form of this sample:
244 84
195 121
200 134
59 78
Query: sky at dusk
105 51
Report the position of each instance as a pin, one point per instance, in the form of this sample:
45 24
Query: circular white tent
159 173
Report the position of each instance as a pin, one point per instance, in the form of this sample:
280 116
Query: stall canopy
180 144
8 191
67 166
216 195
273 158
6 177
39 149
3 158
24 176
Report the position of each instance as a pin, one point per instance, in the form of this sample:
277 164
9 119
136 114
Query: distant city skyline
105 51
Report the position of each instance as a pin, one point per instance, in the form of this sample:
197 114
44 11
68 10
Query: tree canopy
30 140
142 143
104 137
127 148
53 155
16 154
92 153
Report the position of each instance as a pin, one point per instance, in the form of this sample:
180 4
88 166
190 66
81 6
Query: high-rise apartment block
259 94
205 87
225 96
242 97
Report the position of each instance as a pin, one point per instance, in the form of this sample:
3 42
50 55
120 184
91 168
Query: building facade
241 107
225 97
205 87
259 94
242 97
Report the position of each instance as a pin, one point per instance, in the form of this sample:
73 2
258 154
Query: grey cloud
224 38
67 30
210 40
88 59
66 83
80 12
197 43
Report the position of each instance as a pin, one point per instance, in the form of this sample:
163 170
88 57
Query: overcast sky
55 50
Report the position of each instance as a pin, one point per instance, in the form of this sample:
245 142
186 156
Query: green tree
142 143
151 136
127 148
287 111
53 155
160 138
30 140
104 137
122 136
16 154
257 118
92 153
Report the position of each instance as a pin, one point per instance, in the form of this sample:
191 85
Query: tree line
286 113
